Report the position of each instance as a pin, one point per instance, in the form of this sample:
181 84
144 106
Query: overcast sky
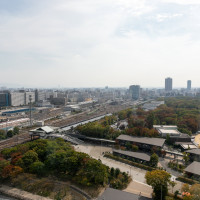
94 43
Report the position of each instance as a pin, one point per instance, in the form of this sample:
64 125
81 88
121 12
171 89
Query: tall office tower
4 99
189 85
135 91
168 84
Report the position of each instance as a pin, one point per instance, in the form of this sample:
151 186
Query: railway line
70 120
15 140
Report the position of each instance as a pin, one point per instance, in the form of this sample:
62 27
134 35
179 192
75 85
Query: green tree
150 120
112 171
186 157
135 147
3 164
173 184
159 181
10 133
117 172
2 134
128 146
37 168
29 158
154 160
16 130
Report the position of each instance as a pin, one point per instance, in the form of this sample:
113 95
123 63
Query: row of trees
182 112
96 129
44 157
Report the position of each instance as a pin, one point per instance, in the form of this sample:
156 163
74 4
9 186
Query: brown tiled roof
193 168
143 140
113 194
139 155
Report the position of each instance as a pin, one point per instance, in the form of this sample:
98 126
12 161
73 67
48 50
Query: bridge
67 138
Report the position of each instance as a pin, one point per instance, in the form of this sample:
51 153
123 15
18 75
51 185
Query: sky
97 43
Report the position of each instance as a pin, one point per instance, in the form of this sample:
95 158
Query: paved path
164 164
140 189
20 194
138 175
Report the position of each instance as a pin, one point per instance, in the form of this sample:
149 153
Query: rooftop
194 151
143 140
113 194
142 156
165 126
171 130
193 168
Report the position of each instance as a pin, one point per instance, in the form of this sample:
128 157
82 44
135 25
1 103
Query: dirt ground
197 139
48 187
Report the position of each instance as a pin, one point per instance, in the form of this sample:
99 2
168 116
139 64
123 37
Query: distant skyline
94 43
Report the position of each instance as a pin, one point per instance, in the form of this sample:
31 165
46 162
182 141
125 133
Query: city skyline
98 43
4 87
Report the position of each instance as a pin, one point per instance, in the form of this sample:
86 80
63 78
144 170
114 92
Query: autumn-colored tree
159 181
15 157
3 164
11 171
195 191
185 187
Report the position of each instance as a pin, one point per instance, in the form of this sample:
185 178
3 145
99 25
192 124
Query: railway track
15 140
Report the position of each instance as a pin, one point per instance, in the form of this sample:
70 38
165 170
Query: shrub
37 168
186 180
142 166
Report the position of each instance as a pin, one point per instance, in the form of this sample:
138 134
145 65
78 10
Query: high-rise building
4 99
16 98
27 97
168 84
189 85
40 96
134 91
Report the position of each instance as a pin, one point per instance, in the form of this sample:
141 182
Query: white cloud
96 43
162 17
183 2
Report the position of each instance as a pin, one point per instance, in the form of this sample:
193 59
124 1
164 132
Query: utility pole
30 99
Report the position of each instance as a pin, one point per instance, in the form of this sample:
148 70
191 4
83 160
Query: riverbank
20 194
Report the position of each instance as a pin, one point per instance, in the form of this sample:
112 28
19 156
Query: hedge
186 180
145 167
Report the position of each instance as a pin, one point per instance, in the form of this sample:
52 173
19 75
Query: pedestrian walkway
140 189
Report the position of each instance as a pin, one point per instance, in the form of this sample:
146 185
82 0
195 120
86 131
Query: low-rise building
143 143
136 156
165 130
194 154
72 108
41 131
152 105
59 101
193 170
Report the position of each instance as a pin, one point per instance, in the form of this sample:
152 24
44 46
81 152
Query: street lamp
30 99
